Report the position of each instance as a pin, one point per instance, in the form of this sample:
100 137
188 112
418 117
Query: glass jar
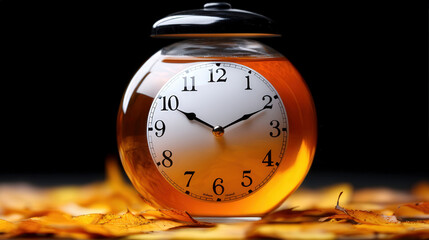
218 124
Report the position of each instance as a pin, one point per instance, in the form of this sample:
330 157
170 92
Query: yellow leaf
6 226
316 230
304 199
368 217
420 206
171 214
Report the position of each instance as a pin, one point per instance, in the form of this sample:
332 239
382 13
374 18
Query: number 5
250 179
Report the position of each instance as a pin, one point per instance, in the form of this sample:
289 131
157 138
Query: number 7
192 174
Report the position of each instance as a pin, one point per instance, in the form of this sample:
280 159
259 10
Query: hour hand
193 116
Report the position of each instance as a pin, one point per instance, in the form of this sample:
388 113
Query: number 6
217 186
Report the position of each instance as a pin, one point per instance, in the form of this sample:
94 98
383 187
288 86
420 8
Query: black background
66 64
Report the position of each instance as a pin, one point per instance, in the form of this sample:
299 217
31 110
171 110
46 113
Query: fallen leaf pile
114 209
108 209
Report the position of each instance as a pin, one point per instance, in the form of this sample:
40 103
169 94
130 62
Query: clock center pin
218 131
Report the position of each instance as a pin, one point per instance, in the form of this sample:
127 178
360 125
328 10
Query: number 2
270 99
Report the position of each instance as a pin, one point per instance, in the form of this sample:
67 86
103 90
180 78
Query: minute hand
246 116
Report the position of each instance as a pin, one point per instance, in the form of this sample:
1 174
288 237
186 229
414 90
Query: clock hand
193 116
246 116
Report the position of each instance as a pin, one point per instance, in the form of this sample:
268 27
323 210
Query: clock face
217 131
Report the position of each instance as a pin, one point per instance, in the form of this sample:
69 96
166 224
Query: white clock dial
217 131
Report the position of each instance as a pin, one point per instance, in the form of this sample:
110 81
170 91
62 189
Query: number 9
160 128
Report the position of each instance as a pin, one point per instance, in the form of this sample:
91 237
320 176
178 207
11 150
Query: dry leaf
413 211
368 217
94 210
314 230
297 216
170 214
318 199
91 225
218 231
420 206
6 226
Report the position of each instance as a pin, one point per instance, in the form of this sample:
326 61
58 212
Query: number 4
267 159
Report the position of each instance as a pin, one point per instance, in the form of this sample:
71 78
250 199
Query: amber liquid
138 164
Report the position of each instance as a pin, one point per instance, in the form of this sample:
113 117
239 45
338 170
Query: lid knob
217 5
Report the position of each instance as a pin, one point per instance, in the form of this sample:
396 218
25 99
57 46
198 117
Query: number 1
248 83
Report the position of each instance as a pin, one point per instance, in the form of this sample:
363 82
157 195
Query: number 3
275 124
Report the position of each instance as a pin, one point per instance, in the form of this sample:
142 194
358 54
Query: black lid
216 19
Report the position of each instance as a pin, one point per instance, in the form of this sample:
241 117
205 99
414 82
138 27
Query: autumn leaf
90 225
323 198
296 216
420 206
313 230
413 211
367 217
129 223
106 209
6 226
169 214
